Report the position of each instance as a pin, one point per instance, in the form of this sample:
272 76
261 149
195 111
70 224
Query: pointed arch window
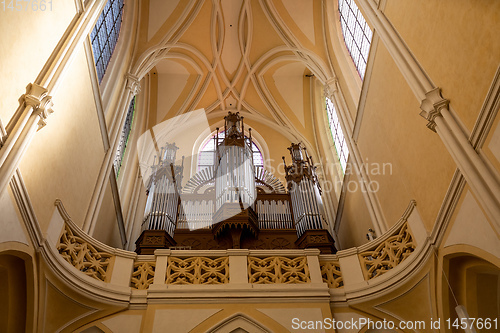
105 35
337 134
357 34
207 153
125 135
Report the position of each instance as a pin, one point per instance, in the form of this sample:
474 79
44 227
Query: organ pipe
304 189
234 170
163 186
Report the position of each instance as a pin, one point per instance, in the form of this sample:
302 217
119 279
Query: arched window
357 34
124 136
337 134
105 35
207 153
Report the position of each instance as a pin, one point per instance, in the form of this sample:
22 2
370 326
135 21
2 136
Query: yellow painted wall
355 220
106 229
22 59
456 42
393 133
65 157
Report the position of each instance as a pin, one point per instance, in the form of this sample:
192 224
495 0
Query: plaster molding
432 106
488 113
97 93
330 87
38 98
26 209
133 84
448 206
239 320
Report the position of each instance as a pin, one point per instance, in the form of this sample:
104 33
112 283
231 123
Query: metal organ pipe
163 192
304 190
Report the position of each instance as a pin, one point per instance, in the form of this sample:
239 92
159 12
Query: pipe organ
274 213
163 198
304 189
233 203
234 171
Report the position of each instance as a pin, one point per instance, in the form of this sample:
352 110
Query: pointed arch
239 322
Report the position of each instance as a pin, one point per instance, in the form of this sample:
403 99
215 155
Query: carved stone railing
100 262
197 270
83 255
172 273
331 274
278 270
142 275
387 255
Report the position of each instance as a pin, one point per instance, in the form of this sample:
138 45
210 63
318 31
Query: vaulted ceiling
254 56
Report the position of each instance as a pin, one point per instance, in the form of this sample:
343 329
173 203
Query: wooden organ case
233 204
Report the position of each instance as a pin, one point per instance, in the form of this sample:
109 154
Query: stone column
35 107
482 180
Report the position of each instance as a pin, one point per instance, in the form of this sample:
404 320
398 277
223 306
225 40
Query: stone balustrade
243 268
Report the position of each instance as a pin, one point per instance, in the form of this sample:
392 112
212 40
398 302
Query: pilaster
238 266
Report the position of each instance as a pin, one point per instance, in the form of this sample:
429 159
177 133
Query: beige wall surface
356 219
392 132
198 318
64 158
106 229
457 45
22 59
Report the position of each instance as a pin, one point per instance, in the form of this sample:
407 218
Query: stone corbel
38 98
133 84
431 107
331 86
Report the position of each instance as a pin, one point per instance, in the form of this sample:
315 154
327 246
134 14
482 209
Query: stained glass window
105 35
337 134
122 145
357 34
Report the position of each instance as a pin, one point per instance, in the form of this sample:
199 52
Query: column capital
331 86
38 98
133 83
432 105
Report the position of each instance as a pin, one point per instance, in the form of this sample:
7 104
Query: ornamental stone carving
142 275
388 254
330 271
38 98
83 256
197 270
278 270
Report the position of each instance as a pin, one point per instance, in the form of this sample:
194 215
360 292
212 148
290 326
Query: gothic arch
472 279
240 323
17 289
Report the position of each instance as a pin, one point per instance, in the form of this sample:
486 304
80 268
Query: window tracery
337 134
357 34
105 34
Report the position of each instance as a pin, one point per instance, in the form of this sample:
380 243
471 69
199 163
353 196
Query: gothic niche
233 204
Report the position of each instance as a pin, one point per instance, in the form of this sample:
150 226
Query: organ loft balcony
233 203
